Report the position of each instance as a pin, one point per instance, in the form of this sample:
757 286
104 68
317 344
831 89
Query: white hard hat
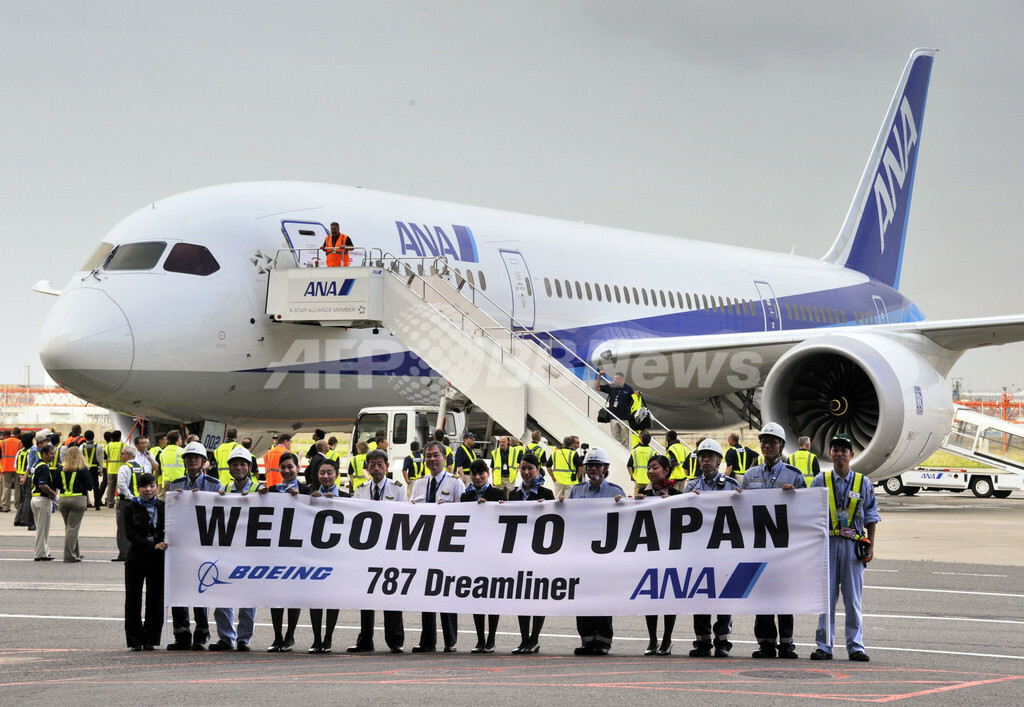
237 453
710 445
194 448
772 429
596 455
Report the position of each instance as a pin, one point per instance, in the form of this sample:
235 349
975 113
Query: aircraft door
523 305
772 321
304 237
883 314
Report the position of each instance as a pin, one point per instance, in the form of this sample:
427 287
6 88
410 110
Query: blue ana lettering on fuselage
328 288
425 241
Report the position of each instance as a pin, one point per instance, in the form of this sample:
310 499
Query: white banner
749 553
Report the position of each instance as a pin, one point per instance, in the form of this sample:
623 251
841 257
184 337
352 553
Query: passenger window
617 297
636 296
547 286
597 291
568 289
607 293
469 276
579 290
671 299
136 256
101 252
646 302
689 305
558 288
483 281
625 294
589 296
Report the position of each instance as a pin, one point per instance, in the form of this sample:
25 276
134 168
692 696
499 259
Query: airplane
167 320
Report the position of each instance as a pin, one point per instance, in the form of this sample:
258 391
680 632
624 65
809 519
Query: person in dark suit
144 525
480 490
288 464
659 469
531 488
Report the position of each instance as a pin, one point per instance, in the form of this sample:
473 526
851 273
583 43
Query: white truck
402 425
983 482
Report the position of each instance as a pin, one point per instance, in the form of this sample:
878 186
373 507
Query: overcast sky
746 123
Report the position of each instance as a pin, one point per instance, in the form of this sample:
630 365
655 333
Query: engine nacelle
893 404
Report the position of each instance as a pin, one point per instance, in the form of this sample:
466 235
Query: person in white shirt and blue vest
853 514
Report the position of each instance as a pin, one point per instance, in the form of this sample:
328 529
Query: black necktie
376 492
432 490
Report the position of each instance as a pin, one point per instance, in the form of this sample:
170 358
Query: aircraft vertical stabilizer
874 233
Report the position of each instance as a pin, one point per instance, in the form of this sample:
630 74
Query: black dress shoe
819 654
787 653
275 647
31 527
396 649
479 648
287 646
359 649
316 648
136 648
532 648
652 648
242 647
860 657
519 649
43 559
600 650
220 646
587 649
451 649
147 647
721 653
423 649
765 651
700 652
665 648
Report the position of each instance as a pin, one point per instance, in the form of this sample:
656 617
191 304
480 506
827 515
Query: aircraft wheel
981 486
893 486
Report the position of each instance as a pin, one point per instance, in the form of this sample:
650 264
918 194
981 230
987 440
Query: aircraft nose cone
87 344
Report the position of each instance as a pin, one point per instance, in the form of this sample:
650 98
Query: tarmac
944 613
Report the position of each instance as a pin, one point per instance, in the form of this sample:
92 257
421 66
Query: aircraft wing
952 334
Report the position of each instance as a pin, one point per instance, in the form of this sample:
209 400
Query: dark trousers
151 574
97 492
183 631
702 629
764 629
394 628
449 629
595 629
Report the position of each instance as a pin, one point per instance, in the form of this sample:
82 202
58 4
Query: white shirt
449 488
390 491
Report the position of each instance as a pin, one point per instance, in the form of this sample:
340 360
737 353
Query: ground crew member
193 480
693 461
773 473
221 454
565 468
413 467
338 247
464 456
709 453
272 459
537 449
44 494
172 465
127 488
93 454
112 452
357 467
805 460
853 514
505 464
595 631
677 455
738 458
637 464
10 447
240 463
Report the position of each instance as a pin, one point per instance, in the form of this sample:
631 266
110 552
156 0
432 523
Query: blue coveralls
764 477
225 616
702 627
846 572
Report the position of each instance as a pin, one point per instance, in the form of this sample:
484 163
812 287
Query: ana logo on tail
892 171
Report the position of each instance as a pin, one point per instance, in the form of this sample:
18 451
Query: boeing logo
433 241
209 576
328 288
892 171
666 583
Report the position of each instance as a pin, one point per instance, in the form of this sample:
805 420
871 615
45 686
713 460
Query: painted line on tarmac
968 574
938 618
62 587
947 591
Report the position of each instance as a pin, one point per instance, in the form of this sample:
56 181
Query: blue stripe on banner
742 580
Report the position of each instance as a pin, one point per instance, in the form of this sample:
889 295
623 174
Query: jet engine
893 404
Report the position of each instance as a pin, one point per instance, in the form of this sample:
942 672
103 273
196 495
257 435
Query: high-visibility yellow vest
514 454
692 465
640 455
172 464
250 486
21 462
35 489
677 453
562 469
538 451
334 454
220 457
137 471
89 452
419 468
858 480
356 475
113 452
371 445
743 462
803 460
69 485
470 454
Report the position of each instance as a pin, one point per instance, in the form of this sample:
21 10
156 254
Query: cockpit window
136 256
101 252
191 260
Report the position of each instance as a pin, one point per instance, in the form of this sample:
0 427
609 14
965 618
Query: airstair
990 440
508 371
